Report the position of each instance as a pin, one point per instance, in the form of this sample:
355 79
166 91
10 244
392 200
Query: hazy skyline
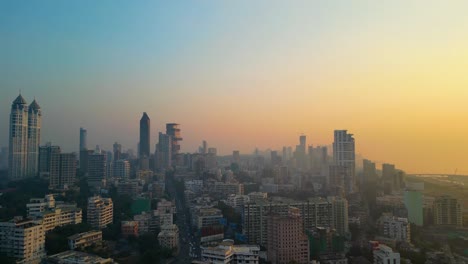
245 74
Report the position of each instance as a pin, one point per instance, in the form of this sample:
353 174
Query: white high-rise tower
18 140
34 138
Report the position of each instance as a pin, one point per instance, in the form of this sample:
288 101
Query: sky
246 74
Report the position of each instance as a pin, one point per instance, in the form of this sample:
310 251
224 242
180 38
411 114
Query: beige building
169 236
100 212
286 240
22 239
85 239
51 214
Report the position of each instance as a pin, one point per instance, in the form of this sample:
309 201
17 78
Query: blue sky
241 74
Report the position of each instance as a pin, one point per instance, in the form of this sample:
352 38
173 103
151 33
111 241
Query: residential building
22 239
129 228
397 228
448 211
384 255
97 169
316 212
168 237
286 240
121 169
86 239
206 216
100 212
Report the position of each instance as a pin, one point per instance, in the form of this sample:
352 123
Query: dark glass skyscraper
144 150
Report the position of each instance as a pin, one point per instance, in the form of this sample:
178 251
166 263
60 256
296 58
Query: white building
85 239
344 155
24 139
22 239
384 255
396 227
37 206
237 201
229 188
100 212
228 253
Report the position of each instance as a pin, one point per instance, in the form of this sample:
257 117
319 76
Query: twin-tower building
24 139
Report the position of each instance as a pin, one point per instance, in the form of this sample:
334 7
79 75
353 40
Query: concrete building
86 239
97 169
448 211
164 151
121 169
237 201
168 237
286 240
227 252
229 188
59 168
413 200
384 255
206 216
344 155
76 257
22 239
51 214
316 212
395 227
24 139
129 228
100 212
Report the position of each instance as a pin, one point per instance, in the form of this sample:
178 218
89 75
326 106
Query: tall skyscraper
173 130
83 138
49 159
24 138
164 151
144 150
59 168
34 138
300 153
343 154
97 169
117 151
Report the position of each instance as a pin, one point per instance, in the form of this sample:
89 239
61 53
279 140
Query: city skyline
256 77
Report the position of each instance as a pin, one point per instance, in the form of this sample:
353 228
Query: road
189 247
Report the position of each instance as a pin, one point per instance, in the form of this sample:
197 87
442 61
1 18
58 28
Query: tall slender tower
83 139
344 155
144 150
18 140
34 138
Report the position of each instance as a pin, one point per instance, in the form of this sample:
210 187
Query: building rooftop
74 257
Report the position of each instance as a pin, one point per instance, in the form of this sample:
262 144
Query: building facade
100 212
22 239
344 155
24 139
